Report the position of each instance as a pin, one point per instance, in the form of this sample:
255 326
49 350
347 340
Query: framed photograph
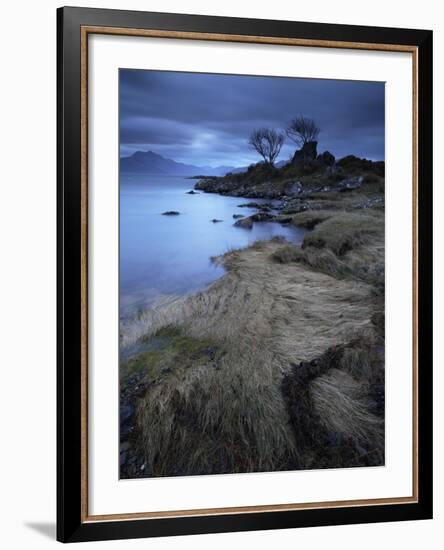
244 274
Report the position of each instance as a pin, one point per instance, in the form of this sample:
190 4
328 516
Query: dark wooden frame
73 522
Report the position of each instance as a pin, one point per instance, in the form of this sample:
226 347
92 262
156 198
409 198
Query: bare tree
267 142
302 130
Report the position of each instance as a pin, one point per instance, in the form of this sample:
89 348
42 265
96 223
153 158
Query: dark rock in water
283 219
170 213
192 192
259 206
237 216
261 217
214 220
246 223
307 153
326 158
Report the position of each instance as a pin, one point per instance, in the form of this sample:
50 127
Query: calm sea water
170 255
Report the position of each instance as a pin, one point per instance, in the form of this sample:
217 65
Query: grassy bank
279 364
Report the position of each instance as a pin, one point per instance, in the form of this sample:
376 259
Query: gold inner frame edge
85 32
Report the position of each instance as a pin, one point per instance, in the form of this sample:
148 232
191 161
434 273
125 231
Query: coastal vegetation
279 364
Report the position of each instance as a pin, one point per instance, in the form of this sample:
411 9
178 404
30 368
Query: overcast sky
205 119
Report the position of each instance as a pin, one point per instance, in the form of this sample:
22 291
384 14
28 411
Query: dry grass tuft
344 410
364 264
342 245
216 417
345 231
336 406
311 218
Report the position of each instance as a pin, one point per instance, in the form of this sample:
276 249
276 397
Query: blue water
170 255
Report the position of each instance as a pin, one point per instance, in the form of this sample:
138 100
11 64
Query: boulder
192 192
237 216
246 223
294 188
253 205
372 202
326 158
170 213
335 172
306 154
214 220
350 184
295 206
354 165
283 219
261 217
214 184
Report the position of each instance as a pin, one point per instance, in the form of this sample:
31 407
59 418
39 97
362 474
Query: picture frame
75 26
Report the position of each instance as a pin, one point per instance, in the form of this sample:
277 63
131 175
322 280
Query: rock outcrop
246 223
326 158
307 153
307 173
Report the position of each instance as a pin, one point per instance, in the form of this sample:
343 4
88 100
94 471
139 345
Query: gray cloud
206 119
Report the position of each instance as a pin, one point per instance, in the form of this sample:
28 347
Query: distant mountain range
147 162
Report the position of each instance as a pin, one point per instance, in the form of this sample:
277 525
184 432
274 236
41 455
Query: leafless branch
301 130
267 142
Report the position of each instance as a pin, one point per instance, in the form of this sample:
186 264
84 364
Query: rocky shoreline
294 331
298 186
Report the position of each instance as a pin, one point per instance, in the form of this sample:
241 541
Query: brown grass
336 405
227 413
342 244
216 417
311 218
345 231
